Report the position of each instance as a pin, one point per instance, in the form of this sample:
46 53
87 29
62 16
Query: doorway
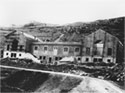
1 53
50 59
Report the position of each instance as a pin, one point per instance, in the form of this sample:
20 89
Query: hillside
113 26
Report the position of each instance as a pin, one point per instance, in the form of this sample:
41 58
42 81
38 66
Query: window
77 49
56 58
50 59
8 47
45 48
87 59
47 40
66 49
60 58
100 59
40 57
95 60
13 54
108 60
21 48
44 57
109 52
95 51
1 53
19 54
79 58
36 48
55 47
88 51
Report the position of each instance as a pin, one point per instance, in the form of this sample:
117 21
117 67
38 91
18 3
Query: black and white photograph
62 46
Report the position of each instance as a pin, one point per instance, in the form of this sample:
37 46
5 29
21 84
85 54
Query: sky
20 12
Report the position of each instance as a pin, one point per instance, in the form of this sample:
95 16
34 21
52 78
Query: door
50 59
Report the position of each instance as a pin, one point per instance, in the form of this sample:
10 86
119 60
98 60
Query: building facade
16 44
15 41
54 51
2 42
101 46
98 46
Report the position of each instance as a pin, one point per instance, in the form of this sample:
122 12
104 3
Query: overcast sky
20 12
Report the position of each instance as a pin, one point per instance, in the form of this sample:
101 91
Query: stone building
98 46
17 43
101 46
54 51
2 41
